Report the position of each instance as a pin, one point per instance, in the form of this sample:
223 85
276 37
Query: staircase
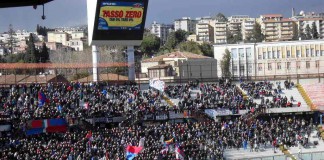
306 97
294 92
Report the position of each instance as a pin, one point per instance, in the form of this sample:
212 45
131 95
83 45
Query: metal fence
301 156
24 73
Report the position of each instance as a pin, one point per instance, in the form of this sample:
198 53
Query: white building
274 58
186 24
78 35
243 58
161 30
76 44
58 37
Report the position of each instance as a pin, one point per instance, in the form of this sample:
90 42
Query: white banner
5 128
157 84
211 113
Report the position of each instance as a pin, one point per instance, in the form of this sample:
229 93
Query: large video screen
120 20
121 15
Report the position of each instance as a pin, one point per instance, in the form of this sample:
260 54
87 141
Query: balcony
271 34
271 30
220 26
220 34
287 28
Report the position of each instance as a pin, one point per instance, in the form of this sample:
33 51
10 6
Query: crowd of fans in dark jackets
270 94
199 140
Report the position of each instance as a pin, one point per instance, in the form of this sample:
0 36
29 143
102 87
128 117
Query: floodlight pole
95 63
131 63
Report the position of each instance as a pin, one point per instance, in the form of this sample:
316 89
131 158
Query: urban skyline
62 13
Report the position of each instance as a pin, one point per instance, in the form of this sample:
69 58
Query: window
278 54
241 52
250 68
269 66
269 54
317 53
298 53
248 52
259 56
298 65
307 64
322 53
288 54
317 64
273 54
260 66
235 68
288 65
234 53
279 66
313 52
264 55
307 53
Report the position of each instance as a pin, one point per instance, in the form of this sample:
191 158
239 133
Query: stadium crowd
198 140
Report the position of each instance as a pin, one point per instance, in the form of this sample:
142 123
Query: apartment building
185 23
274 58
302 22
161 30
205 29
277 28
220 32
247 27
58 37
235 23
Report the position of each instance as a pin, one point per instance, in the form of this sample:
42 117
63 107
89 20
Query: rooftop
177 54
272 15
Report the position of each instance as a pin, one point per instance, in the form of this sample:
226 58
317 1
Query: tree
32 54
150 43
171 42
308 32
226 63
220 17
207 49
238 37
42 30
314 31
256 34
180 36
301 33
295 33
190 46
11 39
174 39
44 55
229 37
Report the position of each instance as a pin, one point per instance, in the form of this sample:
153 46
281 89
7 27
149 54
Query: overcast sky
73 12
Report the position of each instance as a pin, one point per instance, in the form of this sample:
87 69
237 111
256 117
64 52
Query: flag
179 153
86 105
41 99
132 151
165 151
59 108
168 142
46 126
104 92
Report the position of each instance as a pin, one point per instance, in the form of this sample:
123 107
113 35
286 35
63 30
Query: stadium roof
21 3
